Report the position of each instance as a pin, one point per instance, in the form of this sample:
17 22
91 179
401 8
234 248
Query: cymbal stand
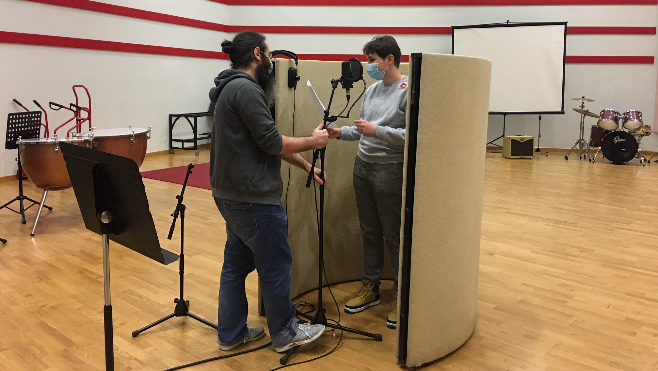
643 160
654 155
593 159
581 145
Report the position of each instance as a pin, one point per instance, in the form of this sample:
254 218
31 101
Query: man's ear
257 53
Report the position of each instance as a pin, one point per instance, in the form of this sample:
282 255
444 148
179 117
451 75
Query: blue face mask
374 72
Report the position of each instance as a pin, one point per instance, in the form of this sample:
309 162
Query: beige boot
367 297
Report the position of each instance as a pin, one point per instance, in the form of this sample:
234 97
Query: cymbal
586 112
583 99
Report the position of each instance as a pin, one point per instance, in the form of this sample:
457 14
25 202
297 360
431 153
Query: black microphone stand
320 318
182 306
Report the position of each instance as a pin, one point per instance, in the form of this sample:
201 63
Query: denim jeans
378 189
256 238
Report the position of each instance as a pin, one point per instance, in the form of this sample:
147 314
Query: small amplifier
518 146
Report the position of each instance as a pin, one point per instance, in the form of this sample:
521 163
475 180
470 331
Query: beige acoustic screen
444 180
296 114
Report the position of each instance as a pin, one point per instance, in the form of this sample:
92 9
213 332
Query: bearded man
245 174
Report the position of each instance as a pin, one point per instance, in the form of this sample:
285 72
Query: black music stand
22 125
113 204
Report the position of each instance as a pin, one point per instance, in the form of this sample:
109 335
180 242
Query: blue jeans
256 238
378 189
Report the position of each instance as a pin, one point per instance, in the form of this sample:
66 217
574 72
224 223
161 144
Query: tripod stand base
320 318
582 147
3 240
21 199
181 310
538 150
494 144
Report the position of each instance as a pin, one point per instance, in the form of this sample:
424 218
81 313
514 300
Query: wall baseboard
495 149
491 149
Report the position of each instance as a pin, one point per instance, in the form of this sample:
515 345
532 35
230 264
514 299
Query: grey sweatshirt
384 105
244 152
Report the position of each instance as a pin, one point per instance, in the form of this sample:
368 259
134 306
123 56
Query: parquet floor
568 280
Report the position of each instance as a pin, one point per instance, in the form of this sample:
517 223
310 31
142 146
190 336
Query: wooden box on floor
518 146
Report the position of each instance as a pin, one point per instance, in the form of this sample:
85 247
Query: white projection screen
527 59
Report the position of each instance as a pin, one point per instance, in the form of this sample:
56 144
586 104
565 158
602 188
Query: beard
267 83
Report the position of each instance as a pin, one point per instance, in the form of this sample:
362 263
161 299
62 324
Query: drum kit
616 135
44 163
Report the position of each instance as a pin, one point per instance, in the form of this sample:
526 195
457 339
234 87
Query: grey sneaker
253 334
306 333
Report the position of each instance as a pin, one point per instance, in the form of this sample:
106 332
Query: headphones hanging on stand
293 76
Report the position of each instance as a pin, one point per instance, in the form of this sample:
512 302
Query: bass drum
619 147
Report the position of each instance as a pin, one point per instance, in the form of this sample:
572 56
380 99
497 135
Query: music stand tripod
113 204
22 125
182 308
320 317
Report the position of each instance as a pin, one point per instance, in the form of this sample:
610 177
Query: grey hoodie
244 153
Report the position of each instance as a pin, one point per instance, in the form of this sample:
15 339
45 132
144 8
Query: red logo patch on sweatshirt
403 85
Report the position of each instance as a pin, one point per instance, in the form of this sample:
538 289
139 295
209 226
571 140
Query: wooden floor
568 280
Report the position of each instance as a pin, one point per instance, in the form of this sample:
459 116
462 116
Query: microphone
352 71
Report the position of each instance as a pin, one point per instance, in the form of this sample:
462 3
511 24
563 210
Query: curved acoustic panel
444 181
343 248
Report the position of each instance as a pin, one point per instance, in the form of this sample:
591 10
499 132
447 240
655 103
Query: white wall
142 89
619 86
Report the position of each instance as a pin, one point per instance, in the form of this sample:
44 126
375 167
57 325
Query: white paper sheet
319 104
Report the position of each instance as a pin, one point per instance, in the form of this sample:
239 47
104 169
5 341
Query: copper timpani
43 161
127 142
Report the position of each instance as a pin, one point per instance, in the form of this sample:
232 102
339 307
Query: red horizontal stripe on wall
610 59
345 30
432 2
134 13
339 57
70 42
188 22
579 30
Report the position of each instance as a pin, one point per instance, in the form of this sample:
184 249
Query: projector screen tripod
538 149
502 135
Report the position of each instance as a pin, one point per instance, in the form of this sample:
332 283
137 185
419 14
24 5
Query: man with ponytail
245 174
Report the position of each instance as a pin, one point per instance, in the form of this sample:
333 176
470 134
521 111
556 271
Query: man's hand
333 133
366 127
320 137
316 176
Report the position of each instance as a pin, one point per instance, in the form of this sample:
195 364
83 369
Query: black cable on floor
219 357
